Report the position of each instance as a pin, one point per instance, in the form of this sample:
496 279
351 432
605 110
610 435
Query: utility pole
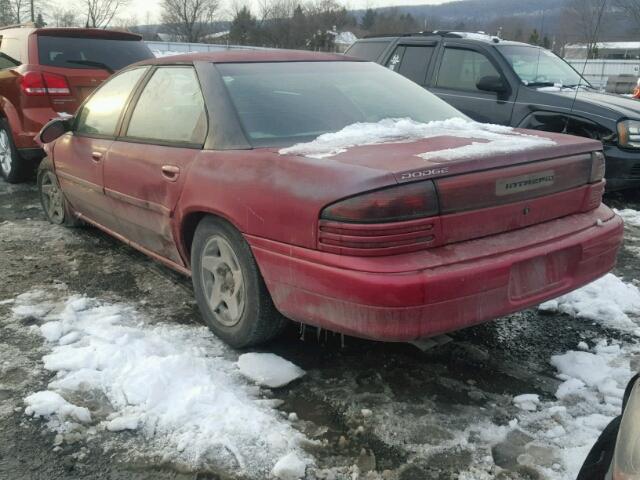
33 13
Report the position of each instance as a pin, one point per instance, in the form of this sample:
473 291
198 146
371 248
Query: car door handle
96 156
170 172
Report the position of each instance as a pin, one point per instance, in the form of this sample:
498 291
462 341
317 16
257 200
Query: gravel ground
423 411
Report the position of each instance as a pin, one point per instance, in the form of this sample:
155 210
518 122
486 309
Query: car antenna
538 61
584 67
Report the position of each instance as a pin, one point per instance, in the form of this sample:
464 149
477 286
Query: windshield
539 67
95 53
284 103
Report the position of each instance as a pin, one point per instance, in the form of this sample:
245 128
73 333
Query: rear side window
367 50
411 61
461 69
170 108
74 52
100 115
7 62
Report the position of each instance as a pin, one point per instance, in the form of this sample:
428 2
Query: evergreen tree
546 43
243 27
368 19
534 38
40 21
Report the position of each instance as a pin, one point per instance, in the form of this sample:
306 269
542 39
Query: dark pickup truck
511 83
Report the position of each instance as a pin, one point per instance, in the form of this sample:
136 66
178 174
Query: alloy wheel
223 282
5 153
52 199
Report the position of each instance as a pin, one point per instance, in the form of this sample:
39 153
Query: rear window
288 102
367 50
73 52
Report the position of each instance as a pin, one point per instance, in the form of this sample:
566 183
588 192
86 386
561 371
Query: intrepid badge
523 183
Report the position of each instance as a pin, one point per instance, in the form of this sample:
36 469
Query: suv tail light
597 167
39 84
394 204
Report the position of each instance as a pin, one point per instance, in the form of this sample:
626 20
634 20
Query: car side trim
79 181
155 207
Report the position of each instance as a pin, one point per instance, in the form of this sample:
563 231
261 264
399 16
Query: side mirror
54 129
492 83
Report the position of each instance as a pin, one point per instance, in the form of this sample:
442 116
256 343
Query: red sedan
329 191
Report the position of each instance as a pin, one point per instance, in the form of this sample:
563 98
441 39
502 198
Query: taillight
38 84
32 83
56 84
393 204
597 167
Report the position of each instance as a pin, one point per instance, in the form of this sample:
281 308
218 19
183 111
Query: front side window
100 115
538 67
171 108
461 69
289 102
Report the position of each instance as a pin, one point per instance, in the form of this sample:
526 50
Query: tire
230 291
12 168
55 205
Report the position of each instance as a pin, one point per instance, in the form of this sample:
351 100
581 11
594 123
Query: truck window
367 50
461 69
411 61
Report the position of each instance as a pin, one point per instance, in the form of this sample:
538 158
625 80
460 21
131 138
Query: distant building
605 50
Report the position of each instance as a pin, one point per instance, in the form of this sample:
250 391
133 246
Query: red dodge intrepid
277 181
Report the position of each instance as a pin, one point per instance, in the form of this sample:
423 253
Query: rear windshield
283 103
367 50
73 52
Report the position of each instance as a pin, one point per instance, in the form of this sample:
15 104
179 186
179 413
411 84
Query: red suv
47 73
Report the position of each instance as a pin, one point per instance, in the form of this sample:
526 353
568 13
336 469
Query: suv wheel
55 205
11 168
229 289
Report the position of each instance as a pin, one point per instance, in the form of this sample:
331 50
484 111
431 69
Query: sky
143 8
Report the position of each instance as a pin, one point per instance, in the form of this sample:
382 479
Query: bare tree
588 17
100 13
631 9
64 18
189 20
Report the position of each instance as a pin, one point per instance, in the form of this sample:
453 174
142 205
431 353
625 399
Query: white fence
598 71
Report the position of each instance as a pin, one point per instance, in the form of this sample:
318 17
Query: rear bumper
421 294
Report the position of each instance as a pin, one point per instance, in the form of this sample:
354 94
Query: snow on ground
176 385
268 370
492 139
608 301
630 216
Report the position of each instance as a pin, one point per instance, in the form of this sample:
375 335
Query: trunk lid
482 194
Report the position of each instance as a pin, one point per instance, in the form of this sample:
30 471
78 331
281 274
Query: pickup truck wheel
231 294
55 205
11 166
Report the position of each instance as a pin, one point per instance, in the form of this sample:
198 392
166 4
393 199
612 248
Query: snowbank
268 369
176 385
493 139
608 301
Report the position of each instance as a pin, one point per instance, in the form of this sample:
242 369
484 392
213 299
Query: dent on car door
79 155
145 169
457 80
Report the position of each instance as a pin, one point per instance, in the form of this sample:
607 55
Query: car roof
237 55
74 32
430 36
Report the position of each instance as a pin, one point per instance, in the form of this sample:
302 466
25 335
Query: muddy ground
420 401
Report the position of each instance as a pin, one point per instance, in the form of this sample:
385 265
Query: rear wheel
12 167
231 294
55 205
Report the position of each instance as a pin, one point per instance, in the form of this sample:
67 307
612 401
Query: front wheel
231 294
55 205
